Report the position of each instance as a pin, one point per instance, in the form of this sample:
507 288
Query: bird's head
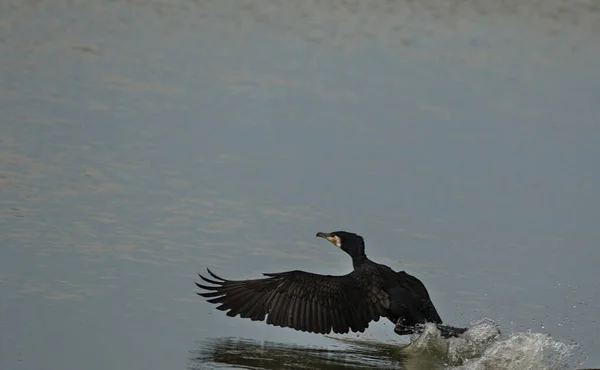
350 243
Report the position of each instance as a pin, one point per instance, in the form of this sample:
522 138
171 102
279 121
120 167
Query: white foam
525 351
482 347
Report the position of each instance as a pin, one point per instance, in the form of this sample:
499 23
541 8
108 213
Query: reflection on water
247 353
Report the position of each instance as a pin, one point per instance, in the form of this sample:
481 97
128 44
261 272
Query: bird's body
323 303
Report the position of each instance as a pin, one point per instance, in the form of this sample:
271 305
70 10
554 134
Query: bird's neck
359 260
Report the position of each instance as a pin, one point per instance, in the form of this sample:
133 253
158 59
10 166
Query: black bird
321 303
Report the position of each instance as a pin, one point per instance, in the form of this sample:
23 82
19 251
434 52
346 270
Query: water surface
142 142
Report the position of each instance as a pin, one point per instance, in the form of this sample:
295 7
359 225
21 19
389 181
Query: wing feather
300 300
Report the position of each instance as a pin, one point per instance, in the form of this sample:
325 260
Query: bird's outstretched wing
300 300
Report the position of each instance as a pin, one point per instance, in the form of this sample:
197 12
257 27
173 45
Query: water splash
524 351
454 351
482 347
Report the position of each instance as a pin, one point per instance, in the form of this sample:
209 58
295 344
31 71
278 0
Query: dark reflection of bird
251 354
323 303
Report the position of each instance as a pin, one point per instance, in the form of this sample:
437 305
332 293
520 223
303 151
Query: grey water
143 141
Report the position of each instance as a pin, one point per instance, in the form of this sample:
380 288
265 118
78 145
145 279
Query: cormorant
321 303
